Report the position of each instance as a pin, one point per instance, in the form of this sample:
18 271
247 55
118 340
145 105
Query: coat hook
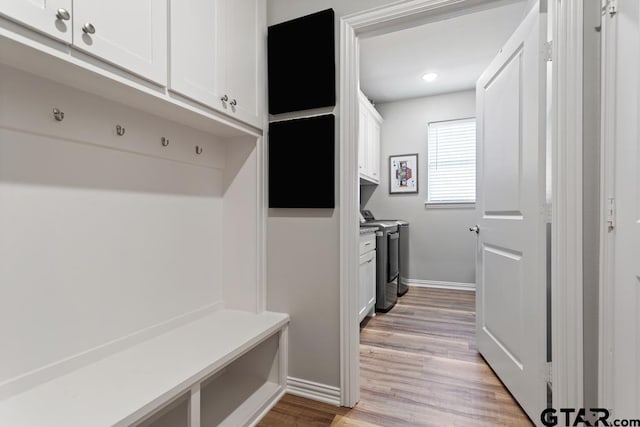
58 115
119 130
198 150
165 141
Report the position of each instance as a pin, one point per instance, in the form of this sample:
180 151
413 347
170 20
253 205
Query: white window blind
451 163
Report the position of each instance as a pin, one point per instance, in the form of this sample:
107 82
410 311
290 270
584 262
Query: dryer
387 245
403 249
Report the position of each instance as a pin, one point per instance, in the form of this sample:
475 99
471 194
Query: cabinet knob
63 15
88 28
224 98
233 103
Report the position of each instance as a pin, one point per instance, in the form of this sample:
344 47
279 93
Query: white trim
439 284
450 205
349 218
314 391
607 190
261 244
566 268
263 166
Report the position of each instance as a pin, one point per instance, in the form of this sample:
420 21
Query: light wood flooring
419 367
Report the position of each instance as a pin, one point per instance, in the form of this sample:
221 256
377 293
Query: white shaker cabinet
197 31
246 52
51 17
362 137
129 34
367 280
217 55
373 152
369 141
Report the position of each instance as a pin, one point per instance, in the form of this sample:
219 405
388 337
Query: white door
625 393
52 17
129 34
245 35
510 262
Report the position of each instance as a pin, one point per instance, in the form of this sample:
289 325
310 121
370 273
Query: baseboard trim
313 391
458 286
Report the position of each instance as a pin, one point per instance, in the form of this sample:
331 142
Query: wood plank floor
419 366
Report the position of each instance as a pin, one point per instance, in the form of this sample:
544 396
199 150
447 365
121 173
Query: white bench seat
127 386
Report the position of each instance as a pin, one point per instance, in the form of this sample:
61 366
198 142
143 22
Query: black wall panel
301 63
301 163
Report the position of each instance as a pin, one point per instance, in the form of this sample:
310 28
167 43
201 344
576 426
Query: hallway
419 366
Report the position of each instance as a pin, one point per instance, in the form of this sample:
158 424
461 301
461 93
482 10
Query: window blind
451 162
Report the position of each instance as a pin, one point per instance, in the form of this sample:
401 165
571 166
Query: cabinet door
362 287
371 284
197 62
41 15
245 53
373 143
367 276
128 34
362 140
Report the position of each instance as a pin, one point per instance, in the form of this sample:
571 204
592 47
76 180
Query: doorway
423 81
352 28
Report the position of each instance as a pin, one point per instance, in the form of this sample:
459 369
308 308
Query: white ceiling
458 49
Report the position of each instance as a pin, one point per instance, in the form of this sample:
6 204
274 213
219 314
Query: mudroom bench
225 368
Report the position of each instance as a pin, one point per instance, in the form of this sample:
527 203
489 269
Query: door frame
608 142
566 19
567 225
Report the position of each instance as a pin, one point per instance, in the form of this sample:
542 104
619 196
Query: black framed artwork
302 163
301 63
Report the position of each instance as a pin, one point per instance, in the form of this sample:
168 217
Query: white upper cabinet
369 141
196 32
212 52
51 17
362 138
217 55
245 45
373 154
129 34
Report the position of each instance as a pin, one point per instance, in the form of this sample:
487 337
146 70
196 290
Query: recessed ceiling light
429 77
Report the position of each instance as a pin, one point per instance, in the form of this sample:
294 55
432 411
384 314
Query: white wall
104 236
303 260
441 246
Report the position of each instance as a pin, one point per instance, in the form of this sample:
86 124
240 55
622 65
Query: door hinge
611 214
548 51
549 372
610 7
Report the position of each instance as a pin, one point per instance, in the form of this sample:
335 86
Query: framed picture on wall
403 173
